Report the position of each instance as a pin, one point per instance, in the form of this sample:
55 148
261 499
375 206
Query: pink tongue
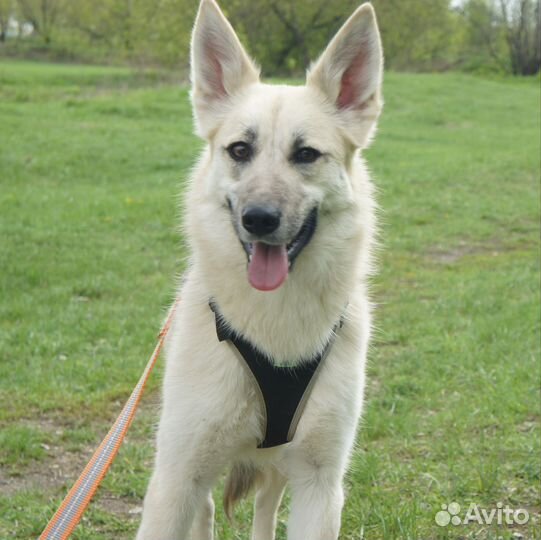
268 266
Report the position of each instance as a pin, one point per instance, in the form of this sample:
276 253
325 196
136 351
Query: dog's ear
220 67
350 72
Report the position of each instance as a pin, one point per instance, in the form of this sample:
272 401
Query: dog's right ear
220 67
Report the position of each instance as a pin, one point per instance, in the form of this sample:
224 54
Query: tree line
421 35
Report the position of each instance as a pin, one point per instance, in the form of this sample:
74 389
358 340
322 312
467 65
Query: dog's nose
261 220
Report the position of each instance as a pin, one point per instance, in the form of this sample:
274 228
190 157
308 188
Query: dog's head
279 156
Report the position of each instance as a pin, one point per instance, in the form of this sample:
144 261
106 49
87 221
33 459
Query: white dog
266 354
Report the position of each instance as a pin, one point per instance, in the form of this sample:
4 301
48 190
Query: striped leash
71 510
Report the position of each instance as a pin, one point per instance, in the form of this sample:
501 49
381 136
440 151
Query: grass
91 163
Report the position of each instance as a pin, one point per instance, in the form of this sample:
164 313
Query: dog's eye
306 155
240 151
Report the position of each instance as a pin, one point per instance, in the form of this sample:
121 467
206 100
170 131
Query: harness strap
284 390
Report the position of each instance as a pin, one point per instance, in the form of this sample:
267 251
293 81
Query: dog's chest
282 391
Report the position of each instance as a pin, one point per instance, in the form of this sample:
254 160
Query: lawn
92 162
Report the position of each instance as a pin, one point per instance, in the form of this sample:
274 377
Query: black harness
284 390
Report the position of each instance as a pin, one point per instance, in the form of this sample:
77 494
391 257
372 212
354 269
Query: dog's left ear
220 67
350 72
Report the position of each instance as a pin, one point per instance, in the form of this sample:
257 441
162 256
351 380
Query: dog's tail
242 478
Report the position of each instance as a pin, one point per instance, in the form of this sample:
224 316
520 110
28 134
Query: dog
266 354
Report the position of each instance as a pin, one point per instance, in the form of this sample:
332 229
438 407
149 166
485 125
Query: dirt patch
61 467
48 475
120 506
452 254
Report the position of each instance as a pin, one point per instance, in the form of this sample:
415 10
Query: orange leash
74 505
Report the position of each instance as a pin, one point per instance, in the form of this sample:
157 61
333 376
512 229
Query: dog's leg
172 502
267 501
316 505
187 466
203 526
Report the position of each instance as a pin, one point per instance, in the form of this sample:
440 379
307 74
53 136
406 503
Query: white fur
211 415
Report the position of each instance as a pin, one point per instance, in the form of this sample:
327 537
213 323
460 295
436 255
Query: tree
285 36
6 9
304 27
523 32
417 35
137 30
42 14
507 31
484 43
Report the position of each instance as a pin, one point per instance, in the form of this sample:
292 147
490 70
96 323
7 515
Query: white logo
448 514
501 515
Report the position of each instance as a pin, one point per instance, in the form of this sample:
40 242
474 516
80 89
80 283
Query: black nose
260 220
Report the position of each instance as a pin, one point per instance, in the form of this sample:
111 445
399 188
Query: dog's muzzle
269 264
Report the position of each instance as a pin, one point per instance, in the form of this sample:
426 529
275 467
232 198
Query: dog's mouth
270 264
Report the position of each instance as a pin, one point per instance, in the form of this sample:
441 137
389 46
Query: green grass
91 164
20 444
